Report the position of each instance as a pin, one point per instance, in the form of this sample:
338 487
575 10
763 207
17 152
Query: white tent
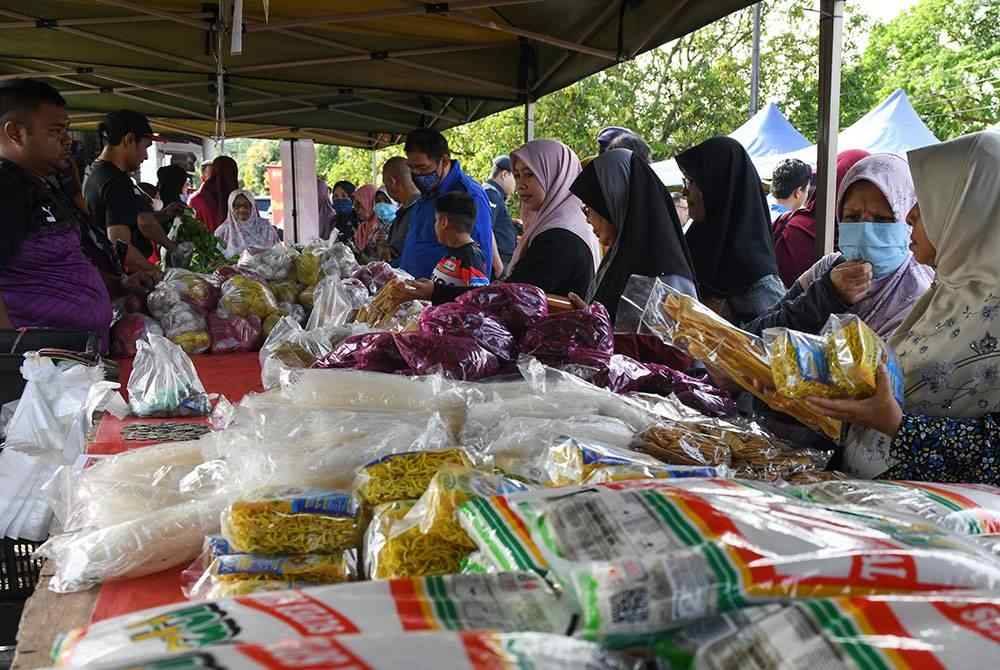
766 133
892 127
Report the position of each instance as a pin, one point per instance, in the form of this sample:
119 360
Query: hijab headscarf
365 231
948 344
212 199
623 189
556 167
890 298
254 234
732 248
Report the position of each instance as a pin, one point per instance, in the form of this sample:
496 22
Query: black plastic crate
18 570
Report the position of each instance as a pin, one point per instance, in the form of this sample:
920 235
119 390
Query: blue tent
766 133
892 127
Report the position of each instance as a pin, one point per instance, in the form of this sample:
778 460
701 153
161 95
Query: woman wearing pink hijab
364 210
558 252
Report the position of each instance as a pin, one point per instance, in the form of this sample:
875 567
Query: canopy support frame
831 24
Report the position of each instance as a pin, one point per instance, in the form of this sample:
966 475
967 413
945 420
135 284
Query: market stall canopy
339 71
766 133
892 127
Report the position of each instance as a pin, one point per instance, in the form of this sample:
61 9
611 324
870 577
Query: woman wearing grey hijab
634 218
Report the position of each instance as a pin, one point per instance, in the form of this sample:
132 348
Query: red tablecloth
233 376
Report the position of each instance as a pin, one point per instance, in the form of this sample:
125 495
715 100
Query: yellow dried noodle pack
396 548
292 521
403 476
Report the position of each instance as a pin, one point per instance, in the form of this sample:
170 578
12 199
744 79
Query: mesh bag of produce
502 602
292 521
463 320
516 306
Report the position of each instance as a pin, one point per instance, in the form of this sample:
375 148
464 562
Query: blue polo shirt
422 251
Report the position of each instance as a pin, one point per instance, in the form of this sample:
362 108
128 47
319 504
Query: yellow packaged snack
292 521
396 548
313 568
403 476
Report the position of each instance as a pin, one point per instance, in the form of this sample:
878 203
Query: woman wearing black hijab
730 237
633 216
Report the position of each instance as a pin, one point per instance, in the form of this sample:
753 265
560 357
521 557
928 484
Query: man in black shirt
499 188
398 181
115 201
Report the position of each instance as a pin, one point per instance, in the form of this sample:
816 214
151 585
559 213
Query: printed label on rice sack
877 632
505 601
640 558
969 509
459 651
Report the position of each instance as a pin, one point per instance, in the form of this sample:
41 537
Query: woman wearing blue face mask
874 275
343 208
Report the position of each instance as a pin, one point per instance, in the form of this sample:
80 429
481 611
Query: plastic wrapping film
384 305
164 382
183 286
458 650
890 631
128 331
454 357
555 339
516 306
403 476
232 333
140 546
395 548
684 322
245 572
243 296
334 303
968 509
503 602
291 521
321 448
274 264
462 320
289 347
696 547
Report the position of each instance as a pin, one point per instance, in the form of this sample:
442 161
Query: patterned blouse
941 449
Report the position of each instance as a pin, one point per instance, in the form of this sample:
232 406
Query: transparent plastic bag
457 319
244 571
375 352
309 264
332 304
338 260
164 382
403 476
286 291
684 322
291 521
395 548
516 306
454 357
290 347
199 291
559 338
234 333
274 264
384 305
141 546
130 329
626 375
243 296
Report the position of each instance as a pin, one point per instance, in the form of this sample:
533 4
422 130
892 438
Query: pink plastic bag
516 306
234 333
462 320
128 330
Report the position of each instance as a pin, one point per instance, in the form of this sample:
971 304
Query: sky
881 9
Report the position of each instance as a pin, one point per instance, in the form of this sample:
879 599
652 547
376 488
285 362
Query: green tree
253 166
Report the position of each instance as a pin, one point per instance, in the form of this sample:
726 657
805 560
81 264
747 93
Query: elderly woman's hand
852 281
880 412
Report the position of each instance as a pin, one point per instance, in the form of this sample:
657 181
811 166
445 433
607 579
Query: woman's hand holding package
852 281
880 412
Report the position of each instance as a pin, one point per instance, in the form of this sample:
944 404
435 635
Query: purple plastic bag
454 357
375 352
554 339
627 375
374 275
234 333
516 306
462 320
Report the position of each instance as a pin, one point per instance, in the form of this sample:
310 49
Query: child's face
441 227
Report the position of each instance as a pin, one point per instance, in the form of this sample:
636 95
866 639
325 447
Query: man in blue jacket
435 173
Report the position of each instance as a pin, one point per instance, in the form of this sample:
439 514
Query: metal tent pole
831 25
755 63
529 121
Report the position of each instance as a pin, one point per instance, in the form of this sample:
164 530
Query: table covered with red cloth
231 375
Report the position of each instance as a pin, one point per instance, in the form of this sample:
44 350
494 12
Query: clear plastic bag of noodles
682 321
780 463
249 569
403 476
394 548
290 347
292 521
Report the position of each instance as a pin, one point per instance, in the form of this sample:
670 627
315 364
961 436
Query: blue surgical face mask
343 206
385 211
885 245
426 182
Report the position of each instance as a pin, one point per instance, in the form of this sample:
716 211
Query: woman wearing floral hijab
949 427
244 228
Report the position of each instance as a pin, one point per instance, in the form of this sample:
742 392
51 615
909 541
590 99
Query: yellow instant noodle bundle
396 548
403 476
313 568
384 304
292 521
452 486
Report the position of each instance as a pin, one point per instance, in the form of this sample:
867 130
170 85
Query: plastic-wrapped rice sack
403 476
503 602
692 548
396 548
891 631
969 509
291 521
479 650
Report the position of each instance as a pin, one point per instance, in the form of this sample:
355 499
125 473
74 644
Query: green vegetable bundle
205 252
